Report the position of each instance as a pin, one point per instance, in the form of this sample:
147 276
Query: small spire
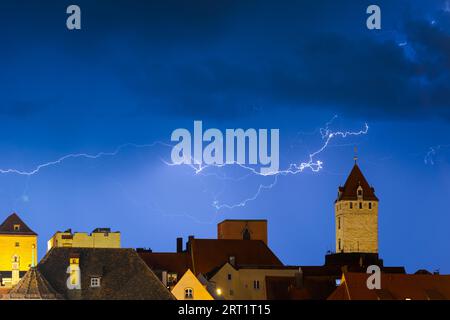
355 157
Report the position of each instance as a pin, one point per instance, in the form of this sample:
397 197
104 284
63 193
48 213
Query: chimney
299 278
179 245
188 244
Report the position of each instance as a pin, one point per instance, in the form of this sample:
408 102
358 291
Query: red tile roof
354 180
205 255
7 227
208 254
394 286
177 262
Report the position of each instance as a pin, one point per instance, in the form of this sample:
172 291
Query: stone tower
356 214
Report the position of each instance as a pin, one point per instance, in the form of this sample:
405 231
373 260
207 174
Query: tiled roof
33 286
394 287
7 227
354 180
208 254
123 275
205 255
177 262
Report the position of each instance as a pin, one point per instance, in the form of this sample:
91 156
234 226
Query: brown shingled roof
354 180
7 227
177 262
394 287
207 254
123 275
33 286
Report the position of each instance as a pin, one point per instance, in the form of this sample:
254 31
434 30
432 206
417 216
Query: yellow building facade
356 215
18 250
189 287
246 283
99 238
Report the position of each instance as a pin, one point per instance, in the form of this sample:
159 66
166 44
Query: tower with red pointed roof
356 214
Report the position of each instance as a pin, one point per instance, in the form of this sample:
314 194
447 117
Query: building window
339 244
229 276
370 205
339 223
351 205
95 282
17 227
360 205
256 284
17 244
171 278
188 293
231 292
246 234
359 192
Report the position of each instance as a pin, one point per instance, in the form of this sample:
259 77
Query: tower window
360 192
370 205
246 234
339 244
17 227
351 205
229 276
339 223
360 205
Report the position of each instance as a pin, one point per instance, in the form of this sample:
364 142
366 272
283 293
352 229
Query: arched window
188 293
359 192
246 234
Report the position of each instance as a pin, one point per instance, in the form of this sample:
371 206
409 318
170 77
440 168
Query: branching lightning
432 152
312 163
98 155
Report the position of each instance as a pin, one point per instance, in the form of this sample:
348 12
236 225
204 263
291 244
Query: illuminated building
356 215
18 250
99 238
190 288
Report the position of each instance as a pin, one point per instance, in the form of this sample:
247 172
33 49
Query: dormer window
188 293
17 227
359 192
95 282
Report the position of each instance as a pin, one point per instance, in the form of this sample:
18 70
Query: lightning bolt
432 152
312 163
98 155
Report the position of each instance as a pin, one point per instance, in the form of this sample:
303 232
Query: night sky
137 70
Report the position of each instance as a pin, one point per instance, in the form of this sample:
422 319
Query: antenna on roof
355 157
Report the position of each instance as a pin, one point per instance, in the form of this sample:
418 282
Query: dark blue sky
140 69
